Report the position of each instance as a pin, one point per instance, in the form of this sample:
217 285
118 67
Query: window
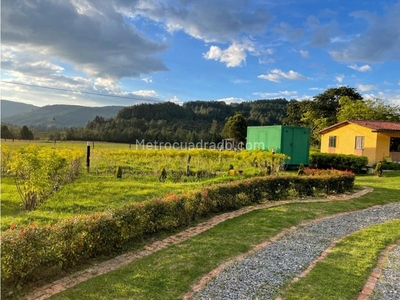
395 144
332 141
359 145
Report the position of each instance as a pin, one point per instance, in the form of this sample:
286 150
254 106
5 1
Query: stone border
125 259
376 273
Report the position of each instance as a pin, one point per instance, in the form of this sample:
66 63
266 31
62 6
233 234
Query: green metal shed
294 141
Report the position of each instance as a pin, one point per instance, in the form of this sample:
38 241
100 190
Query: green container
294 141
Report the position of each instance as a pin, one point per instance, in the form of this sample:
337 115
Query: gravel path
262 274
388 285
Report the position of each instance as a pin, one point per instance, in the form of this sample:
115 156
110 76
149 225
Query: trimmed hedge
350 162
390 166
30 252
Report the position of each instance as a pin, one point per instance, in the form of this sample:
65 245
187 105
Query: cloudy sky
123 52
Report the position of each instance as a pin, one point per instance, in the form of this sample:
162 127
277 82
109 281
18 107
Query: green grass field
99 191
89 194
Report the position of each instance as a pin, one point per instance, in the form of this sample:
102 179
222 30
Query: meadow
100 190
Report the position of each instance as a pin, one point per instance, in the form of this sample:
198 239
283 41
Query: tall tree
295 111
326 105
5 132
25 133
370 109
235 127
321 111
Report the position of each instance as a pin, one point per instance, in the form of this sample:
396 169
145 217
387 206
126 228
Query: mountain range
59 115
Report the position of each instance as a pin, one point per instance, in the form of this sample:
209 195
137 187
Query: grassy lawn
342 274
169 273
89 194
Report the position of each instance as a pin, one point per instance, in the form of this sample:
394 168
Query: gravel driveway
262 274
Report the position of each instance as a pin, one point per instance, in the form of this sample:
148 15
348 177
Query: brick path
125 259
375 274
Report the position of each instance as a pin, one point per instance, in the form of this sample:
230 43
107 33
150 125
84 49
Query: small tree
235 127
5 132
25 133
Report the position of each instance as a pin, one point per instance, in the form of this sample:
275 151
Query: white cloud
44 83
339 78
276 94
366 87
148 79
277 75
230 100
224 21
233 56
304 53
80 33
175 100
270 51
240 81
398 82
363 68
315 89
391 97
145 93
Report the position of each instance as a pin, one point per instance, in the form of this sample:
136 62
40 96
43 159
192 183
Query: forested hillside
11 108
169 122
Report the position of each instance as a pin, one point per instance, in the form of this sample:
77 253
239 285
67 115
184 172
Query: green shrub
350 162
390 166
30 252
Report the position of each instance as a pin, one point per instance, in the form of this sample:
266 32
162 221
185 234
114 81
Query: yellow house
376 140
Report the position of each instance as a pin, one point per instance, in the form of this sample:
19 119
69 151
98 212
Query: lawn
89 194
169 273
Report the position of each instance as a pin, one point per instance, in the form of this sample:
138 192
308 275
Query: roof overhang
335 126
385 131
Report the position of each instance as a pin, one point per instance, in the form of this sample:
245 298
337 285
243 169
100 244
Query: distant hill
11 108
192 121
61 115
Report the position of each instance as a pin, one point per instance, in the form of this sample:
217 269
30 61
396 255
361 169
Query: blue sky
124 52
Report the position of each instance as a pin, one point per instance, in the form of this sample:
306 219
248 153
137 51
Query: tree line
210 121
168 122
23 133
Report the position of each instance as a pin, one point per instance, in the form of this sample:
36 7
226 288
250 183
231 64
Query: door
287 144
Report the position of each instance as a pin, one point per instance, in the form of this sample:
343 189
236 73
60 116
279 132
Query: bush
29 252
350 162
40 171
390 166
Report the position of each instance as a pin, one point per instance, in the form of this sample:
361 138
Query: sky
125 52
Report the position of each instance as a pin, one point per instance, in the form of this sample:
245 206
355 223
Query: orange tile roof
374 125
377 125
